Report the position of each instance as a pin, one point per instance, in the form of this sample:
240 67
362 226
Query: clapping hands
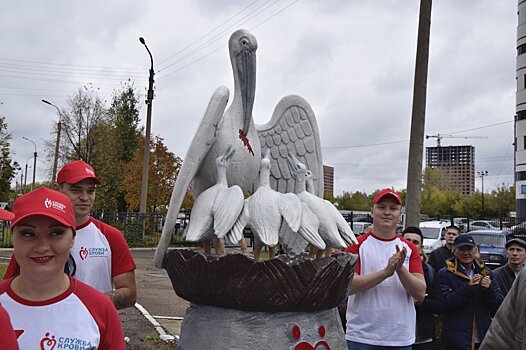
396 261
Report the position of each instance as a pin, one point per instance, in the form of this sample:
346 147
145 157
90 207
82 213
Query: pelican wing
203 140
226 209
344 228
292 127
289 207
309 227
236 233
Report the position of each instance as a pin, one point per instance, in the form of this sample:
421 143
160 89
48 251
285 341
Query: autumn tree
120 141
163 169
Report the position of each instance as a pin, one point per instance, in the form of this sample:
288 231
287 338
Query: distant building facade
457 166
520 117
328 180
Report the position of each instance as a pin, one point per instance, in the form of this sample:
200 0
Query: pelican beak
294 163
246 68
229 153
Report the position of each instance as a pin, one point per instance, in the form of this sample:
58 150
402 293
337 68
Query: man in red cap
388 279
101 254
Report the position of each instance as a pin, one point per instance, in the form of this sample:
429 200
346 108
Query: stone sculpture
292 127
216 209
237 302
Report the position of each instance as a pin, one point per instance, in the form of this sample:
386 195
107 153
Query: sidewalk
158 299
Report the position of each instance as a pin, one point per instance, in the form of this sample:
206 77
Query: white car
433 232
360 227
482 225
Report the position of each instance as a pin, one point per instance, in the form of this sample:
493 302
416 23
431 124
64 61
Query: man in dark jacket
505 275
437 258
425 323
470 297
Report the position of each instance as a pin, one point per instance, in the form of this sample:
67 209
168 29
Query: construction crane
441 136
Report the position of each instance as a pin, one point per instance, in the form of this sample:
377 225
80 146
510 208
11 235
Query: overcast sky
353 61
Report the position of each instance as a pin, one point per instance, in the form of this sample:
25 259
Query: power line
205 35
221 34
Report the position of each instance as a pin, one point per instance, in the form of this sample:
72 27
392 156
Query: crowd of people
399 294
69 272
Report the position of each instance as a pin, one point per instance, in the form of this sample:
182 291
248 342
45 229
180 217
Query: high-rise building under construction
456 165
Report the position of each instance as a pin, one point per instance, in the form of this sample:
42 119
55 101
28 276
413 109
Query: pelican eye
244 41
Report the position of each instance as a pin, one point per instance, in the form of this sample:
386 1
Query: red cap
47 202
6 215
76 171
387 192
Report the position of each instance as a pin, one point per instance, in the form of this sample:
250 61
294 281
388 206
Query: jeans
351 345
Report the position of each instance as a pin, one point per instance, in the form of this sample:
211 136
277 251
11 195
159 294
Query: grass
3 267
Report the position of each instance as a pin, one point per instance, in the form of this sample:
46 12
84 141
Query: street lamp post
482 174
146 157
57 142
25 174
34 161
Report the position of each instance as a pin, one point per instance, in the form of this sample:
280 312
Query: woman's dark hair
71 267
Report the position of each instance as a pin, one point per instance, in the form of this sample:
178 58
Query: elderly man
516 253
388 279
470 297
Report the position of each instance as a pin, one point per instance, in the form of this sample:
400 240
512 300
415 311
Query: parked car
433 232
492 246
482 225
360 227
462 223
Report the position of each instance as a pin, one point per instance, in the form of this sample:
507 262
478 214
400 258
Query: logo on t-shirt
83 253
93 252
49 343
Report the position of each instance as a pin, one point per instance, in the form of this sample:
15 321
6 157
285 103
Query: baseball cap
6 215
464 240
518 241
387 192
76 171
47 202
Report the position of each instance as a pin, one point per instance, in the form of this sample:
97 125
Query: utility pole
482 174
34 161
146 156
57 142
418 117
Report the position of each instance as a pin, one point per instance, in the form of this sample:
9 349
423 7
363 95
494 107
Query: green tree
124 117
8 167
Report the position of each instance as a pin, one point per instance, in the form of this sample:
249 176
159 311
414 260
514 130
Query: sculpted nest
282 284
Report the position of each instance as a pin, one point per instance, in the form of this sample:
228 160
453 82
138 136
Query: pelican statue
216 210
334 231
292 127
266 210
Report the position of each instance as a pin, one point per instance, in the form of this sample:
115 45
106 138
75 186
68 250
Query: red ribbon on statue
246 143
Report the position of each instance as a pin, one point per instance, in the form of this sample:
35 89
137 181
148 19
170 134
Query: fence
144 230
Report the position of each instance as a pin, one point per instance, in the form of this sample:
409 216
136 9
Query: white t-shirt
79 318
385 314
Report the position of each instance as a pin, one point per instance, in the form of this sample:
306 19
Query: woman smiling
47 306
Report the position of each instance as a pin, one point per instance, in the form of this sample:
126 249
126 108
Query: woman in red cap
48 307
